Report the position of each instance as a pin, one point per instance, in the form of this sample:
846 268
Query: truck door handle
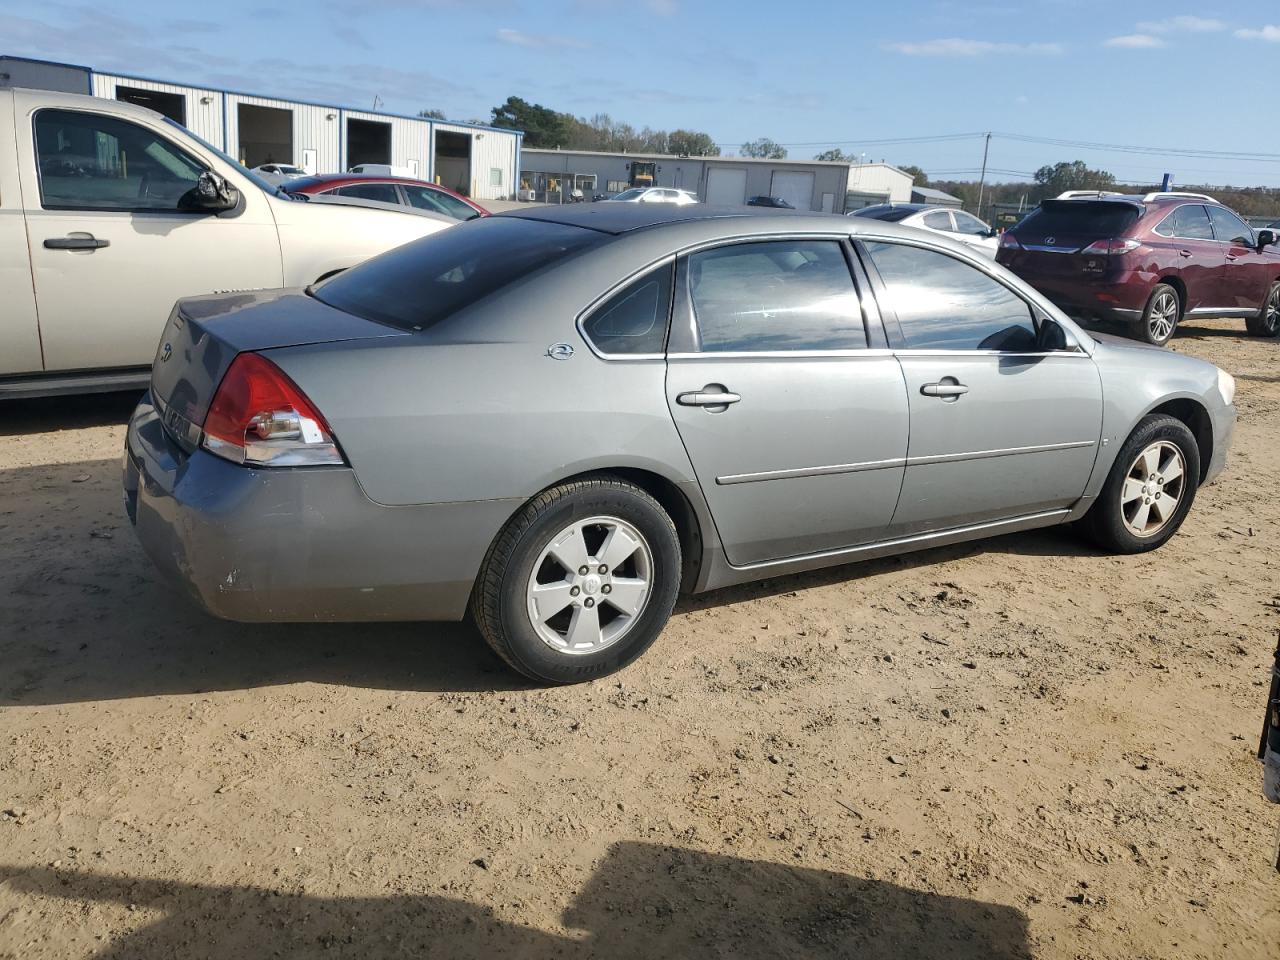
948 389
89 242
707 398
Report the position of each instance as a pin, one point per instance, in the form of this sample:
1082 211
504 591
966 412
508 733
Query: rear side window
775 295
382 192
944 304
1188 222
938 220
634 320
418 285
1079 217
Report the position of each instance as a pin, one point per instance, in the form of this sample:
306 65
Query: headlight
1226 386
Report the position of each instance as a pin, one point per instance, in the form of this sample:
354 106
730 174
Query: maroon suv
1148 261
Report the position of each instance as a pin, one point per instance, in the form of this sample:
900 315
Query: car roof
622 218
332 179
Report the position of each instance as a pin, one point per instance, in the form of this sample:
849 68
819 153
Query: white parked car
279 172
654 195
109 213
956 224
382 170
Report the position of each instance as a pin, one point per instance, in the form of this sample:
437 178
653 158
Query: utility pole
982 183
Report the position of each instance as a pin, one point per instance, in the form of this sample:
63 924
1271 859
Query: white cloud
537 40
1135 41
1182 25
1270 33
956 47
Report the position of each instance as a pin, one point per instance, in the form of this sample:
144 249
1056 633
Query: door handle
1184 253
706 398
1232 258
76 243
948 389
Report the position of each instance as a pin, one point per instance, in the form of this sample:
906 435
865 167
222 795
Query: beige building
872 183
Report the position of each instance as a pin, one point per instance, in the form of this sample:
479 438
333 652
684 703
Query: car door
110 251
939 221
1184 242
797 430
19 332
1000 428
1245 277
974 233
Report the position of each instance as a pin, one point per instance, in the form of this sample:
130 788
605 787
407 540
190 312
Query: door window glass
93 162
776 295
943 303
1188 222
634 320
938 220
1227 226
437 201
382 192
969 224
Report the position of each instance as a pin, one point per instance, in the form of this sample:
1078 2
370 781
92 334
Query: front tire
1267 321
1150 489
580 582
1160 316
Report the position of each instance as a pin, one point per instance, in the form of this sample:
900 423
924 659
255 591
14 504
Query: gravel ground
1017 748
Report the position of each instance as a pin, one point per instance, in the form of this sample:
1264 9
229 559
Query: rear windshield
890 214
416 286
1067 217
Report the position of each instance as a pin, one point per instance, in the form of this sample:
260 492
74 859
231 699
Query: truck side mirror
211 194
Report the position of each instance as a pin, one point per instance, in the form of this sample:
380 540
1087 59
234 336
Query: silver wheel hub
1164 315
1152 489
590 585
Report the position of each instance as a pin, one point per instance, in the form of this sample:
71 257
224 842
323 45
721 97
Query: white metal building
476 160
872 183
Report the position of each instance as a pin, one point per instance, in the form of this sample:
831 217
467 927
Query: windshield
416 286
248 174
632 194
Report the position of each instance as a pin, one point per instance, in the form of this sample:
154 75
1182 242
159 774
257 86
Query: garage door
726 187
795 188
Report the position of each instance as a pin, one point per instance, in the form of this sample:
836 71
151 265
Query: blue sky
806 73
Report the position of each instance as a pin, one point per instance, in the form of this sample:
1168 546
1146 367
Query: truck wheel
1161 315
580 582
1267 321
1151 487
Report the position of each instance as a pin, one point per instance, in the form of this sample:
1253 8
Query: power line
1145 150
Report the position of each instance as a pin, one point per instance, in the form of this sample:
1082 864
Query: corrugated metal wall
490 150
203 119
312 130
410 140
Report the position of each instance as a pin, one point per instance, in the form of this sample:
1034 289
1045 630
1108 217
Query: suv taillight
260 417
1009 242
1112 247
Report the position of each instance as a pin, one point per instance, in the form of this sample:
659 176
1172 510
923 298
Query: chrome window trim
877 352
667 260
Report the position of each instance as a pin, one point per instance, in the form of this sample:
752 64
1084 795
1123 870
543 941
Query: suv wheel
1267 322
580 582
1160 318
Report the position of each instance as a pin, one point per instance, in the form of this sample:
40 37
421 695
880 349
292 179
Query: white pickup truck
110 212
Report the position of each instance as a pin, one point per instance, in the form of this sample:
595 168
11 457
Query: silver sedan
556 420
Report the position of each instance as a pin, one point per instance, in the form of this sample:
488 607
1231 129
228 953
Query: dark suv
1148 261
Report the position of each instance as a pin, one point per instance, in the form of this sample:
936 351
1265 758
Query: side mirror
211 194
1050 336
1266 238
992 233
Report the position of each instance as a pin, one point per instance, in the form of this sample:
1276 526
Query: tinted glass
968 223
382 192
779 295
888 214
92 162
634 320
1078 217
632 194
943 303
1227 226
437 201
1189 222
938 220
421 283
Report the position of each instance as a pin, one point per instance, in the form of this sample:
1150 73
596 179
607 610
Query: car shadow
89 618
48 414
642 901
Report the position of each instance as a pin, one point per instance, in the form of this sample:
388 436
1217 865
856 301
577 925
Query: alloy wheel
1163 317
1272 315
590 585
1153 488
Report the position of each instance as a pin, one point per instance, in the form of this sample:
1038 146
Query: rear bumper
297 544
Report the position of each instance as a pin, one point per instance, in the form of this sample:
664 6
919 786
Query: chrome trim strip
1230 313
1005 452
810 471
870 353
851 553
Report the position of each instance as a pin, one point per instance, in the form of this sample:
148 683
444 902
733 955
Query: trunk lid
1052 239
204 334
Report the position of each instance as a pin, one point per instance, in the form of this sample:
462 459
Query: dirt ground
1017 748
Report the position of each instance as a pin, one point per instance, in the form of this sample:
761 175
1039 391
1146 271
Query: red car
401 191
1148 261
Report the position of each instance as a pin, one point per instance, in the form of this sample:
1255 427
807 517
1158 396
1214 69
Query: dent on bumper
298 543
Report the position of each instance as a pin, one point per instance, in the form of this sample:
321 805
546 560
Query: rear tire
1159 463
580 582
1267 321
1160 316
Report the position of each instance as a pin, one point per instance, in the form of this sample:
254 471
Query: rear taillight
1112 247
1009 242
260 417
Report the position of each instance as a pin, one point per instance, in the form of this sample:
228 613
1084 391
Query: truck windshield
416 286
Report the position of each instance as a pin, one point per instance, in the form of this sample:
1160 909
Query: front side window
382 192
437 201
93 162
945 304
775 295
967 223
1227 226
634 320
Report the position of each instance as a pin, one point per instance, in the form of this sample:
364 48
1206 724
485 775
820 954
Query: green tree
432 115
542 126
691 143
764 149
918 177
1071 175
836 155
